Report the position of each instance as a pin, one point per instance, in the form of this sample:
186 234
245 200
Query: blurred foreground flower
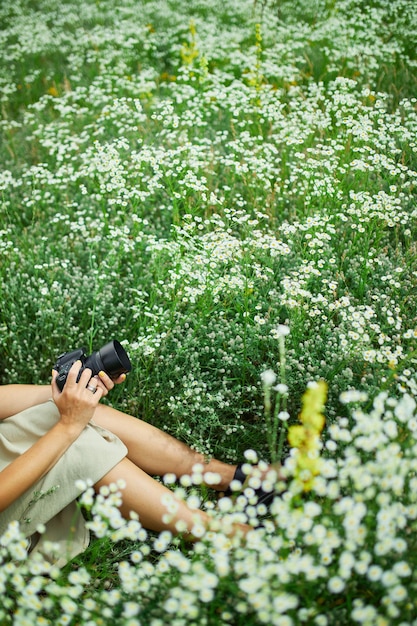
305 437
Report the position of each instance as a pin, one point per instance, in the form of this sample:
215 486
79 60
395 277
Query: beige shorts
52 500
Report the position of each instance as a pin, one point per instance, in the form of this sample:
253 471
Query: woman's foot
261 480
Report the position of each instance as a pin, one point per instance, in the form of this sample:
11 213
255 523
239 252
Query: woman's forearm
76 406
28 468
17 398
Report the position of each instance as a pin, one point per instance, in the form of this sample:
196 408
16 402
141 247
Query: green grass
186 181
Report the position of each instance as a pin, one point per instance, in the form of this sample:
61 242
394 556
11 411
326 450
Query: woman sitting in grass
48 444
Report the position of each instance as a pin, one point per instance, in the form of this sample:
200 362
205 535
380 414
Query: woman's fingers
72 376
78 384
106 383
79 398
55 390
85 377
78 380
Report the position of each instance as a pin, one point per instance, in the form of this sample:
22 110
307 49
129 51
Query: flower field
229 189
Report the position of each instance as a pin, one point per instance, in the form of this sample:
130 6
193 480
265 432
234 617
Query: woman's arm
17 398
28 468
76 405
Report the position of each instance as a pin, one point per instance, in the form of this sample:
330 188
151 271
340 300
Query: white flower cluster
350 545
196 179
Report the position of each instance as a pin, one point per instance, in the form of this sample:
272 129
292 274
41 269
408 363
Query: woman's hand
78 400
106 383
76 404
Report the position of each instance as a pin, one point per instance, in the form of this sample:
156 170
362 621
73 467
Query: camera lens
114 359
111 358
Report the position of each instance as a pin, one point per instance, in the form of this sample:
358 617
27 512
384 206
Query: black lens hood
114 359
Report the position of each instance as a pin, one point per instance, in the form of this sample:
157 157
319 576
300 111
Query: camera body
111 358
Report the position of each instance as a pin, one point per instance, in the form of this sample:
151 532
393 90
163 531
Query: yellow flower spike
193 29
315 421
189 50
313 401
296 436
305 437
307 463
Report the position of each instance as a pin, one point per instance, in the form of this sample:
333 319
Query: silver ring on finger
91 388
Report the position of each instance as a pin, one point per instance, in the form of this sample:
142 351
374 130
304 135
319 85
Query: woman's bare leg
156 452
147 497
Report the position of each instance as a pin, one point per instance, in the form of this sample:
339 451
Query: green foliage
190 213
190 177
339 548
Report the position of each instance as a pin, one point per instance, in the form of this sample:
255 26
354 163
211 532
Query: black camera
111 358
